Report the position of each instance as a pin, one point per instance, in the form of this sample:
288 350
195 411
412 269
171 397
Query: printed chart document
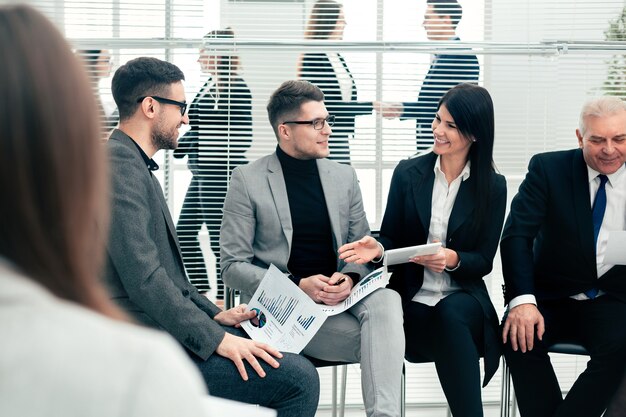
615 253
287 318
367 285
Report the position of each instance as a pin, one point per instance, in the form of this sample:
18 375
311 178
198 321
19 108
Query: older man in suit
145 271
559 288
294 209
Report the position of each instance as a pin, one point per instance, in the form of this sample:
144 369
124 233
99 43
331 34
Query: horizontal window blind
540 60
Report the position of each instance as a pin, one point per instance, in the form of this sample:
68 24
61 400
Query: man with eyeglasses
294 208
145 272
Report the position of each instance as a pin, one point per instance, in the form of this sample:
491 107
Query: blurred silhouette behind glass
220 118
98 65
66 350
446 70
330 73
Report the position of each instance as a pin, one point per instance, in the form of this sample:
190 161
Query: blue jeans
292 389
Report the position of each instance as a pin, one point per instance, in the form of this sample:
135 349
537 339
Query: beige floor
490 411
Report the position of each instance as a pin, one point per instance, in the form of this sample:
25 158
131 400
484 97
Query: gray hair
598 107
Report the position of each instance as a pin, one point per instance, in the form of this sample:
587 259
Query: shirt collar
615 178
465 173
152 166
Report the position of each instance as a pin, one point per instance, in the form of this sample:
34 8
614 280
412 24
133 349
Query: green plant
615 83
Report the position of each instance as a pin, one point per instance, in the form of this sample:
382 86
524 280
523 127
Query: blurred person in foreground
145 270
65 349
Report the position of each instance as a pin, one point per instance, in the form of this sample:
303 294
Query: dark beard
162 140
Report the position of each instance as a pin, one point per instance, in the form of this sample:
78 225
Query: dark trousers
450 334
292 389
203 205
600 326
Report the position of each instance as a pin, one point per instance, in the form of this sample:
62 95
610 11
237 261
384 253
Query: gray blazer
144 270
257 229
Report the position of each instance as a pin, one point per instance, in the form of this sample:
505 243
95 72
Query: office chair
505 396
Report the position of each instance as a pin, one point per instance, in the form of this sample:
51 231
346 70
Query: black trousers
203 205
600 326
451 334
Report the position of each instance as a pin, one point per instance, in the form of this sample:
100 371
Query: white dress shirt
436 285
343 77
614 219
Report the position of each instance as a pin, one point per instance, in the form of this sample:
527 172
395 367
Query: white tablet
402 255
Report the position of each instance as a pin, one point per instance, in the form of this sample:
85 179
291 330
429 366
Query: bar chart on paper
280 306
306 322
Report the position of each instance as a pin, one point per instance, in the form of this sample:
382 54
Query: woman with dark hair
66 350
454 196
220 117
330 73
98 65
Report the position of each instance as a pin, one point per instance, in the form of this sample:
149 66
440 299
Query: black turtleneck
312 248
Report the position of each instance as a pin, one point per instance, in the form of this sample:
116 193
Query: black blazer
445 72
318 70
406 223
220 129
547 245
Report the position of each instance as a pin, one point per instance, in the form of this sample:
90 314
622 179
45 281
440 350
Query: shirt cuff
382 253
522 299
453 269
295 280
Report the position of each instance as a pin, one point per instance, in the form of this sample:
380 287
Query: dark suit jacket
406 223
317 69
445 72
144 269
547 245
220 129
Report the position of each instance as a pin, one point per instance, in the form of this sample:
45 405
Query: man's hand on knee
238 349
519 327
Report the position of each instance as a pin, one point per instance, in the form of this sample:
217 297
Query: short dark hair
288 98
450 8
140 77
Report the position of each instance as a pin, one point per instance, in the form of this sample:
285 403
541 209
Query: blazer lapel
279 193
353 92
166 214
333 198
463 206
582 208
423 190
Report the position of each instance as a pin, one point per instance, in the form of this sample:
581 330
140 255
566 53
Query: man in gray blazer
145 272
294 209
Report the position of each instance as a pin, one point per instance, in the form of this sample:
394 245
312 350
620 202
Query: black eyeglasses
181 104
318 124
